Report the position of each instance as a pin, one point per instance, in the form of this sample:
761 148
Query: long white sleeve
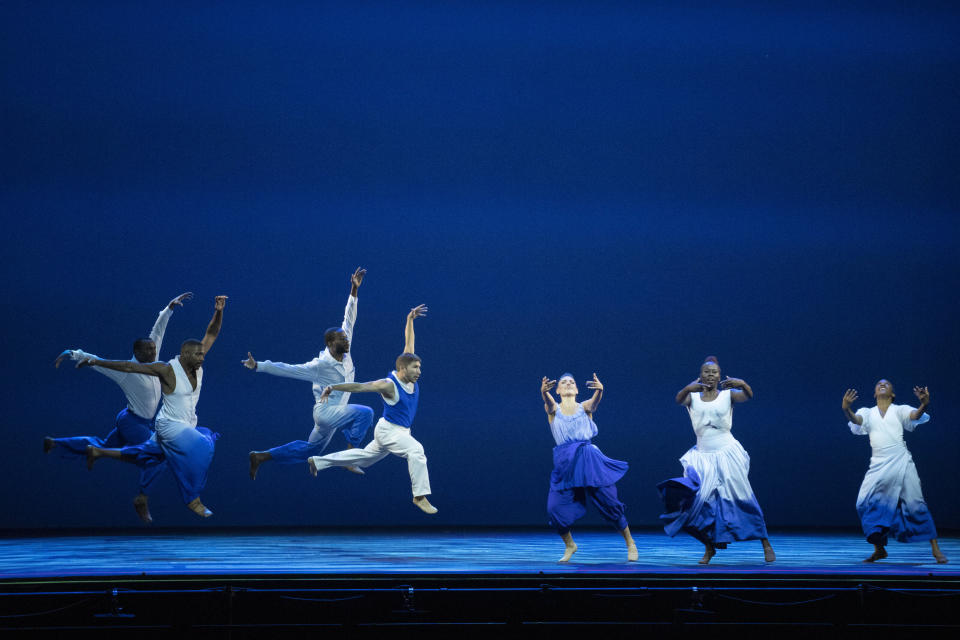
160 327
306 371
349 317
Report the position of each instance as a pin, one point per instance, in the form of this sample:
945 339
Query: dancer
401 393
890 500
134 423
332 366
580 470
713 501
187 447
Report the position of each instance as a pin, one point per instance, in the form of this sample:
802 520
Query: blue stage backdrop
604 188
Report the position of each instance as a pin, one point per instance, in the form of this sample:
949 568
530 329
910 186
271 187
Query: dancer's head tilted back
408 367
884 388
567 386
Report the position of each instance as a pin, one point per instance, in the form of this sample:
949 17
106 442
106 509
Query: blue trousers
129 429
352 420
566 506
189 454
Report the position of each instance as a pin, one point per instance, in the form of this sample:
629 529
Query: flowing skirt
890 500
713 501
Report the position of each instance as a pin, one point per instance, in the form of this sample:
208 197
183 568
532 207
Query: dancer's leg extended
365 457
352 420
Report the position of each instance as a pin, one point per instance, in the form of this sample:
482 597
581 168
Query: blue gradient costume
335 415
186 447
582 472
891 502
713 501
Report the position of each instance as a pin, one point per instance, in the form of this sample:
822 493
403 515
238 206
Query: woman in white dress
890 502
713 501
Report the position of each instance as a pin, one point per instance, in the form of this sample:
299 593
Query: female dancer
890 500
713 501
580 470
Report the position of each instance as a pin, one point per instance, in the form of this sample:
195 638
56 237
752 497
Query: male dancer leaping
400 393
134 424
332 366
187 447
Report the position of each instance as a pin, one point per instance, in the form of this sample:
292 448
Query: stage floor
462 552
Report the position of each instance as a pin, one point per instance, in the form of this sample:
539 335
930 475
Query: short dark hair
330 333
140 344
190 343
406 359
711 360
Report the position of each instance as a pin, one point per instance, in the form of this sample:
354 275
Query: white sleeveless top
712 420
181 405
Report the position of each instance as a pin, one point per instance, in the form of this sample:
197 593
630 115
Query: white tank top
712 420
181 405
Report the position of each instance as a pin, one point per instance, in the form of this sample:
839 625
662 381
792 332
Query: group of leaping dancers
713 501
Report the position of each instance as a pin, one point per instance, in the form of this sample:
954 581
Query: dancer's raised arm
848 399
591 405
740 390
923 395
418 311
213 329
683 396
549 404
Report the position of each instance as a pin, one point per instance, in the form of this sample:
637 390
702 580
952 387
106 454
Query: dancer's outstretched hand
325 395
357 278
595 383
696 387
418 311
923 395
219 302
178 301
732 383
546 385
849 398
250 362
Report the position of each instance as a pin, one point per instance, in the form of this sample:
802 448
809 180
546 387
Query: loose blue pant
189 455
352 420
566 506
129 429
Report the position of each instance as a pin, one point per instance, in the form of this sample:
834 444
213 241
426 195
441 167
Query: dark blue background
605 188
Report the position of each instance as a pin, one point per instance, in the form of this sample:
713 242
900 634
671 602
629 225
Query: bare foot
708 552
313 467
93 454
143 509
879 553
355 469
197 507
632 554
768 554
568 552
257 458
424 505
941 559
48 443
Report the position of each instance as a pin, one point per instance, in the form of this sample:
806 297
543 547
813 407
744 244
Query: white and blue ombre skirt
891 501
713 500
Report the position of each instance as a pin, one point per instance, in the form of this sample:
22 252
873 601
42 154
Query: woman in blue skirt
580 470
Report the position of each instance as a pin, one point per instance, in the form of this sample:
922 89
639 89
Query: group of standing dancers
713 501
